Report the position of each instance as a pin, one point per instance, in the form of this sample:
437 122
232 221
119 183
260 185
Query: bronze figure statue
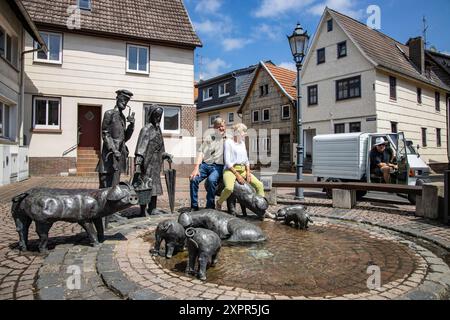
115 134
114 158
149 156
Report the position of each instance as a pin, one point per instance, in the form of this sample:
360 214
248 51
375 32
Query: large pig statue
227 227
85 207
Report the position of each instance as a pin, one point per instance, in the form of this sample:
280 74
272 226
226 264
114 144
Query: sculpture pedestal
344 199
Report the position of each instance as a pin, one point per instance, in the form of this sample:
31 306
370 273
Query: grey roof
246 74
441 65
156 20
384 51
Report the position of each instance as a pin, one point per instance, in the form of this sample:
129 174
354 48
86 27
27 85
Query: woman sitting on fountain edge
237 165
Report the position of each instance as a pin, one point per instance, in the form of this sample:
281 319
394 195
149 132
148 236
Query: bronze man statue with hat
115 133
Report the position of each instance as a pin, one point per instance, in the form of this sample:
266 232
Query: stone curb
111 274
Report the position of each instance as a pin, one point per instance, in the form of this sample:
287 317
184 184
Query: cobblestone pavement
122 268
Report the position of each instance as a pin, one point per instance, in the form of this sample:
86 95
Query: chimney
417 52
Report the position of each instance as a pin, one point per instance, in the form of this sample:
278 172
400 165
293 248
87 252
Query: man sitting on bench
380 160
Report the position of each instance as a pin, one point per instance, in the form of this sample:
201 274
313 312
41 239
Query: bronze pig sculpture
296 214
85 207
203 247
173 235
227 227
246 196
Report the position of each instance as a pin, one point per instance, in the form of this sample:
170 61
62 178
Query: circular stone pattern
330 259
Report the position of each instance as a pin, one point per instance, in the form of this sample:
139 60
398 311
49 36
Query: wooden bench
356 186
344 194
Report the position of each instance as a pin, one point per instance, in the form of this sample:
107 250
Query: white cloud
288 65
230 44
208 6
264 30
273 8
211 68
215 28
347 7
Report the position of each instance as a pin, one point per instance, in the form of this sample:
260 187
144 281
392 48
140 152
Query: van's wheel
412 199
360 195
329 192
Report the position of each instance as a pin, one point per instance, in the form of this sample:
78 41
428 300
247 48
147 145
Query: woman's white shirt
235 153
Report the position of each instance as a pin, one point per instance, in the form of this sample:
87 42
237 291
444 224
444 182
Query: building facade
69 89
221 97
15 25
356 79
270 104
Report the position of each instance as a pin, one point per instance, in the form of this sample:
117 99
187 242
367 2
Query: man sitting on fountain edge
209 166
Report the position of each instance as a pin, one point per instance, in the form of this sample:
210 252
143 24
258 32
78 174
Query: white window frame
3 134
253 117
90 5
147 65
163 130
206 96
262 115
282 112
36 46
228 117
14 39
46 126
211 119
224 93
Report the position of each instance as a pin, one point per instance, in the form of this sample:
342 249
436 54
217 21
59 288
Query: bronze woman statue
150 154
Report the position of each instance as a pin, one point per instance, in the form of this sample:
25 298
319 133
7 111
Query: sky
239 33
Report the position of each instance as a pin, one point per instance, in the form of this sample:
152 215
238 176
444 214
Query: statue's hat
125 93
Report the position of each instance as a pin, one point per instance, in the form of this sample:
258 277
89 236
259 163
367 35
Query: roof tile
384 51
157 20
285 77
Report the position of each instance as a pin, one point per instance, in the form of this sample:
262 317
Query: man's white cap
379 142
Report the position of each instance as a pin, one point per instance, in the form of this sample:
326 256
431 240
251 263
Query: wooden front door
89 127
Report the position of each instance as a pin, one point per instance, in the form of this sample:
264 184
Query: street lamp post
298 42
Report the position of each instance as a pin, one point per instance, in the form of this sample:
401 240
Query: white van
345 158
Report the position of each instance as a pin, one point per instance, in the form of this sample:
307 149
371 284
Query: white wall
328 111
93 69
411 116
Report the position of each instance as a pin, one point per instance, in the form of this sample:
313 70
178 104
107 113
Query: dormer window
84 4
207 94
224 89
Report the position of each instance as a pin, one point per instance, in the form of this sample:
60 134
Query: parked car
345 158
